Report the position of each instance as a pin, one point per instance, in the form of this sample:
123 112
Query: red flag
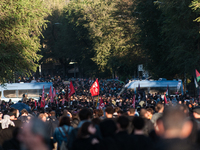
35 103
197 75
133 103
54 92
43 99
165 99
101 104
51 95
94 90
71 87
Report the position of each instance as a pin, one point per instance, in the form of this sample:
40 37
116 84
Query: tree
169 37
21 23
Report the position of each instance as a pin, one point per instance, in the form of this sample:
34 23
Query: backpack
64 144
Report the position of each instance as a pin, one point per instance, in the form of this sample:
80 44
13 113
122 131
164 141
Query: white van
15 91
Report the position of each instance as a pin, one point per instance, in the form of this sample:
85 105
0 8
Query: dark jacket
12 144
142 142
73 134
52 122
123 140
7 134
175 144
83 144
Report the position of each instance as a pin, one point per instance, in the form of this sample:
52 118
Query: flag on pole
165 99
94 90
71 87
133 103
101 104
167 93
195 82
43 99
197 75
51 95
54 92
35 104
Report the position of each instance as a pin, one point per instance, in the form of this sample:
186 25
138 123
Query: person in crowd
109 112
13 143
148 124
8 124
42 117
141 141
174 128
86 137
34 135
159 111
131 115
150 113
85 115
24 116
52 122
108 130
122 137
62 132
75 119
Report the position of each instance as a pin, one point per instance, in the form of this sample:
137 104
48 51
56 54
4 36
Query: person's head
95 113
85 114
100 112
116 109
150 113
131 111
108 128
196 112
159 107
42 117
34 134
64 120
122 123
143 113
138 123
87 129
109 111
24 112
75 116
175 123
12 116
15 112
52 113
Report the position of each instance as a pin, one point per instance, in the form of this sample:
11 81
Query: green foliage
169 37
110 30
21 23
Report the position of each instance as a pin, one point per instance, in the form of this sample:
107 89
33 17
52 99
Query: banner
43 99
71 87
51 95
94 90
101 104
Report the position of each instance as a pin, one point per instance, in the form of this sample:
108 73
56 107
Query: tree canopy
21 23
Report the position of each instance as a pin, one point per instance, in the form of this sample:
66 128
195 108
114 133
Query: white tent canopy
155 84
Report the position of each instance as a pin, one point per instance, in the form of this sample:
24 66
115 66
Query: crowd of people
79 123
